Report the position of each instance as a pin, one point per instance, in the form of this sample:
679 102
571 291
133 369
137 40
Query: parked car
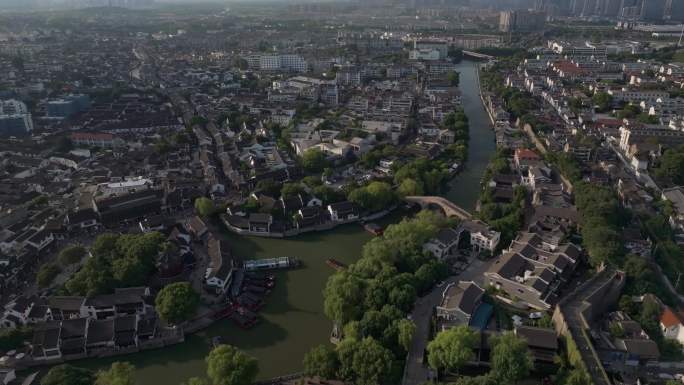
536 315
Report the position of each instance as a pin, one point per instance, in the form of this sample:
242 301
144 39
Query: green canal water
293 320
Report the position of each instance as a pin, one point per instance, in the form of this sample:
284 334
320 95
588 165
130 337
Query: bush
71 254
47 274
12 339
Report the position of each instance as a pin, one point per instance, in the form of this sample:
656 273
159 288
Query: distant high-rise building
576 7
589 8
611 8
522 20
677 10
630 9
652 10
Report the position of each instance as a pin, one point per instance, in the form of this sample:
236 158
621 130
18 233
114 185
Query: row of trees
119 373
670 167
601 218
369 302
566 164
226 365
457 122
452 349
360 361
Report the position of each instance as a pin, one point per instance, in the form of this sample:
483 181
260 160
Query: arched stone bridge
449 208
478 55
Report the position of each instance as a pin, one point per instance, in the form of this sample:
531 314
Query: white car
536 315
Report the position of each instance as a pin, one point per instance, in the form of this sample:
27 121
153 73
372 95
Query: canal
293 320
465 188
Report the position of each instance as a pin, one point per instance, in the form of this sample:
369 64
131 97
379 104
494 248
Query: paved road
571 310
415 372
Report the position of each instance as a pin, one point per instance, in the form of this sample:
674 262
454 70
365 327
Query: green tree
361 197
14 338
120 373
105 245
409 187
671 166
364 362
226 365
95 277
407 329
453 78
71 254
382 195
47 274
314 160
372 362
374 197
204 207
321 361
403 296
291 189
452 349
129 272
602 100
343 297
429 274
328 194
430 174
176 302
268 187
578 376
510 358
67 375
198 121
629 112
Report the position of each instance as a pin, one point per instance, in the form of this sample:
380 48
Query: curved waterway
293 320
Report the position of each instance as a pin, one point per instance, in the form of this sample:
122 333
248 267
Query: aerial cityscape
311 192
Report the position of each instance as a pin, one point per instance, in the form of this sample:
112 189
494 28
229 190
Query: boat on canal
335 264
374 228
271 264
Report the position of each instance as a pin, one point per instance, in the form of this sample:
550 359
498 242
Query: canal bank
293 320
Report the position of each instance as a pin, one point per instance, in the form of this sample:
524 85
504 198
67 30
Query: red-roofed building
569 70
524 157
607 126
671 325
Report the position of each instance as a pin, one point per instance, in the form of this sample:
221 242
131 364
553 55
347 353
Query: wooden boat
335 264
374 228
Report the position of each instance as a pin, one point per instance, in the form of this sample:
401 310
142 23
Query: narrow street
571 311
416 372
